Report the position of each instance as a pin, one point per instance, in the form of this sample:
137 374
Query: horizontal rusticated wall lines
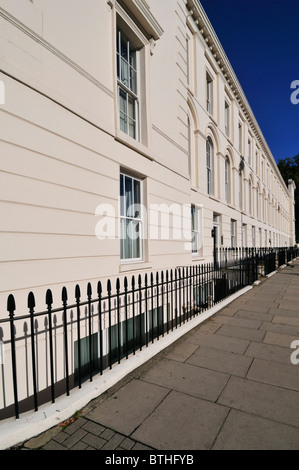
47 354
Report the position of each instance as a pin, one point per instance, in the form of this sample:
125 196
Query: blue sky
261 41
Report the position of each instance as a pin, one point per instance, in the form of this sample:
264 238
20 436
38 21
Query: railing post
64 298
146 310
126 313
11 307
99 290
162 289
140 310
31 305
49 302
158 314
152 302
109 317
176 297
78 296
133 311
89 295
180 295
167 302
171 298
118 318
183 284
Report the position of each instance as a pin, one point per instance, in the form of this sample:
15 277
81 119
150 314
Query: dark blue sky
261 41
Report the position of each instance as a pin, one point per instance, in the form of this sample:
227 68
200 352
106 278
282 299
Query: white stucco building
117 114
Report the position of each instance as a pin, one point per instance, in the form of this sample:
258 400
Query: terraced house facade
127 146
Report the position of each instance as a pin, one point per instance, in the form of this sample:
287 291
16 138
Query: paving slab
269 352
285 320
229 311
224 343
289 305
257 307
254 315
273 373
187 378
267 401
264 298
284 312
182 422
241 333
279 339
210 326
129 406
182 352
221 361
243 431
93 441
285 329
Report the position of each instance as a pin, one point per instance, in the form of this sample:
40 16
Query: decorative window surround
142 16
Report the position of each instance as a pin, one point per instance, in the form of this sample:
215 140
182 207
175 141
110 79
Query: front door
216 231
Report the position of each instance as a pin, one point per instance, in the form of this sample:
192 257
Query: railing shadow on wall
47 354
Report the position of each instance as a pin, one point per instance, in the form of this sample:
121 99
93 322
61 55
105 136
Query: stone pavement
227 384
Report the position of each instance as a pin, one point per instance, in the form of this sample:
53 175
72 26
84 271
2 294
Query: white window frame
131 217
253 236
233 233
249 150
127 89
196 229
227 117
262 169
209 165
240 136
227 180
250 196
241 202
135 20
209 92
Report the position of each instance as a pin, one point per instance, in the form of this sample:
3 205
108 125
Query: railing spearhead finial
11 305
49 298
31 301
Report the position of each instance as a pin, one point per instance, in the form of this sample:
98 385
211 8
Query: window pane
127 241
124 72
122 237
132 129
124 46
118 65
122 196
132 58
208 154
135 231
123 122
123 110
209 180
131 107
133 80
137 201
194 242
129 196
122 101
192 218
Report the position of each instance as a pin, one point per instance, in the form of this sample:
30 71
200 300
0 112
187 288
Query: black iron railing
49 353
